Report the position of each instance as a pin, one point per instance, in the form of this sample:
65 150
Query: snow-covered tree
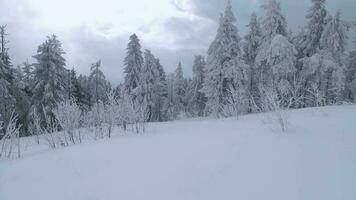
179 89
49 87
7 101
151 88
252 40
252 43
308 43
5 66
334 38
350 92
325 79
98 84
274 22
195 98
27 69
83 97
133 64
223 63
276 58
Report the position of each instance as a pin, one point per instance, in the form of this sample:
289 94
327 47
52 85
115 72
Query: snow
199 159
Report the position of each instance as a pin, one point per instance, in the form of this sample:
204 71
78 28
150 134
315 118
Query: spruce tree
98 84
224 63
309 42
252 44
133 64
49 86
196 99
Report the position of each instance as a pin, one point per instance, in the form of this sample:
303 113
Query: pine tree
195 98
85 91
276 56
99 86
5 68
350 93
27 69
49 87
147 90
179 89
133 64
252 44
224 62
309 41
334 38
274 22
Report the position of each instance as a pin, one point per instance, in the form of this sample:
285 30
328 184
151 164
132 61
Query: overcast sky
174 30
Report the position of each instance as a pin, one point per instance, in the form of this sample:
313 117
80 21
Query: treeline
270 68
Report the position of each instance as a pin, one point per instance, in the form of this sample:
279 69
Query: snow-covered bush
133 113
10 142
236 103
273 104
111 113
50 133
96 119
68 115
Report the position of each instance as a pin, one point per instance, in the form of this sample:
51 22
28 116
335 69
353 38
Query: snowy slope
200 159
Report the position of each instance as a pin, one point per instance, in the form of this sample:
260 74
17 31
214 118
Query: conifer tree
133 64
49 86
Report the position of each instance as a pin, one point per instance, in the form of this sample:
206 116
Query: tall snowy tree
276 56
333 44
179 89
99 86
252 43
350 93
334 38
133 64
195 98
308 43
150 92
5 69
49 74
224 63
274 22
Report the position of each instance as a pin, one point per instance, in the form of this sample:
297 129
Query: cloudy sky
174 30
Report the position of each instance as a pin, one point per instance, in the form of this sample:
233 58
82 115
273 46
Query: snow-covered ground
199 159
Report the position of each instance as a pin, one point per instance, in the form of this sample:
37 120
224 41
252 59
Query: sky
174 30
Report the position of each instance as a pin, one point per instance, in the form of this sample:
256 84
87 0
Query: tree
5 67
223 61
308 43
276 56
151 88
179 89
195 98
274 22
333 43
133 64
334 37
324 79
49 87
252 44
98 84
350 93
